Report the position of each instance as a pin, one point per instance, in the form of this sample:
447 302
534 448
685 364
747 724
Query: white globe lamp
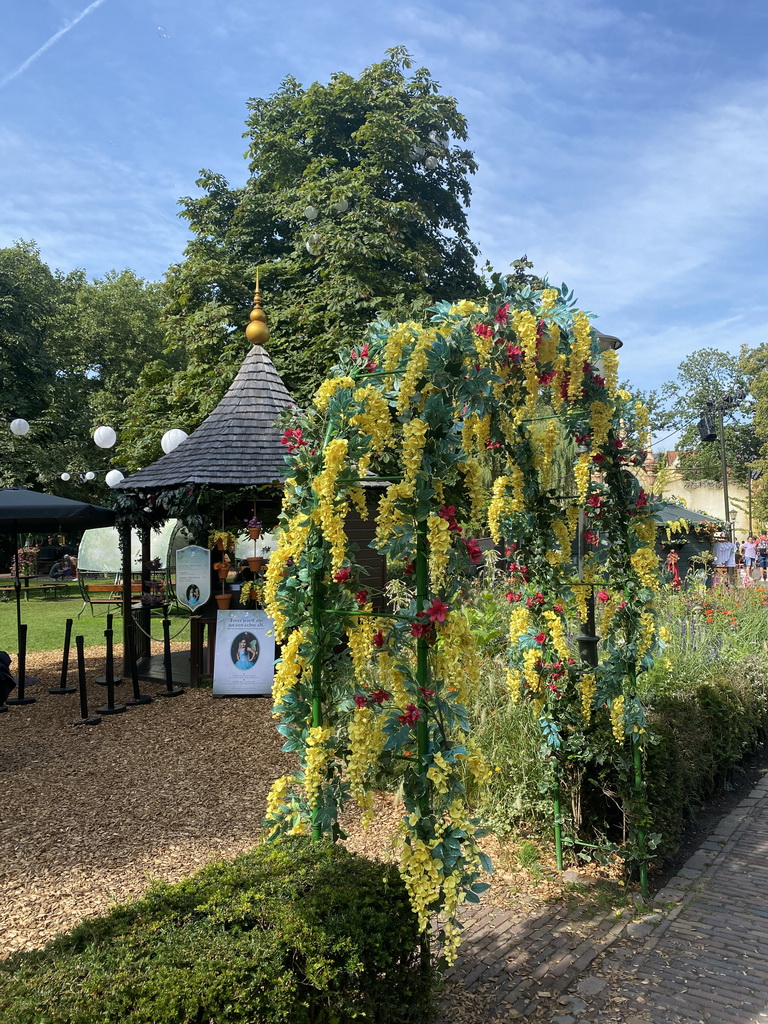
65 477
171 439
90 475
104 437
19 427
113 478
310 213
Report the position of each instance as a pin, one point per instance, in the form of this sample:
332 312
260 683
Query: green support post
317 679
640 828
422 677
558 826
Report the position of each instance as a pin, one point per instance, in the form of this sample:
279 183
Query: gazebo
237 446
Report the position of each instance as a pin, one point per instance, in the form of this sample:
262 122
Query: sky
623 146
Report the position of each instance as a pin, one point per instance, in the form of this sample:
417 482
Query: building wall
705 496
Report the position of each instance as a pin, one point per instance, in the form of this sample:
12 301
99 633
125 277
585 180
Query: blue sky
622 145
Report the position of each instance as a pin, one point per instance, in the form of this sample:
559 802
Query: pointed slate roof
237 445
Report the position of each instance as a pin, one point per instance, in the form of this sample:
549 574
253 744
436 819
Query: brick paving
698 953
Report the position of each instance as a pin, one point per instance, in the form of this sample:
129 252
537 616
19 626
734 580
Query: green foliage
400 245
297 932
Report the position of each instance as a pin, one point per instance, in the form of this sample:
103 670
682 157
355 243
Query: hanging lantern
341 206
171 439
65 477
113 478
310 213
431 163
104 437
313 244
417 153
90 476
19 427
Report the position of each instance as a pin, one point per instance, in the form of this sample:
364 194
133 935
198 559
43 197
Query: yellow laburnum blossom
617 718
439 539
439 773
548 445
328 389
611 370
466 307
646 565
549 297
388 517
374 417
421 872
600 419
273 578
414 439
497 507
519 622
473 480
581 350
318 753
276 799
289 668
647 633
587 691
366 741
557 634
531 673
360 641
417 364
398 340
581 472
560 366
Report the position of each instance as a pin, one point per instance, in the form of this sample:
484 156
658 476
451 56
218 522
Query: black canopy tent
35 511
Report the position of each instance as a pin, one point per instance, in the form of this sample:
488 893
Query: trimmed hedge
294 931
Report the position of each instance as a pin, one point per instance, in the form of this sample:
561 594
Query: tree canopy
354 207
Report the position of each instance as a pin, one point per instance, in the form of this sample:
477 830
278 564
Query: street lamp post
707 432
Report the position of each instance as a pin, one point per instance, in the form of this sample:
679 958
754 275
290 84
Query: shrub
295 931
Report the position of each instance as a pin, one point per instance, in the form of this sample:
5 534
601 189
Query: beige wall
705 496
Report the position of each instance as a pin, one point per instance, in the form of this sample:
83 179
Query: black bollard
84 719
138 696
109 675
62 687
170 690
110 708
22 698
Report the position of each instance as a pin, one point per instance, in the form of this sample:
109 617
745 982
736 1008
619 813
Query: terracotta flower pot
223 600
255 563
220 545
254 532
223 573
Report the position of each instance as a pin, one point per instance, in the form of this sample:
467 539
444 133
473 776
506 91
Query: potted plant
223 567
254 525
223 600
224 540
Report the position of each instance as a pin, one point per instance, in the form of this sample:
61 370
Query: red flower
360 700
362 357
600 381
603 596
502 314
490 445
409 568
379 696
437 611
427 694
378 639
447 512
595 500
622 604
540 638
591 538
293 439
598 458
361 597
421 628
582 438
642 499
474 550
342 575
513 597
546 378
411 716
513 351
483 331
559 609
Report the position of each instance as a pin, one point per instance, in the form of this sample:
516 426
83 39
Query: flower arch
507 413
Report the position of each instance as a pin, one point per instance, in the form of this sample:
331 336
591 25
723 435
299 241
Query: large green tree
70 350
709 374
355 205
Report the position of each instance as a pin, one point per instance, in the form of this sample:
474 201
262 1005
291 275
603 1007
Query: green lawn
45 621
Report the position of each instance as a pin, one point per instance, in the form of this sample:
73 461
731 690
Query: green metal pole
558 827
422 677
317 678
640 828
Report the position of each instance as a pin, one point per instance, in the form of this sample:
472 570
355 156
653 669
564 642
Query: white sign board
193 576
245 652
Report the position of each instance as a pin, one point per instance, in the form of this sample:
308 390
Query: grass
45 620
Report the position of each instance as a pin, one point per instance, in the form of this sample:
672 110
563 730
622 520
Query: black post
170 690
729 525
22 698
110 708
84 719
62 687
749 493
130 649
108 679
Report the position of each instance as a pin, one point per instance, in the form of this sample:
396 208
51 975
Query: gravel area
92 815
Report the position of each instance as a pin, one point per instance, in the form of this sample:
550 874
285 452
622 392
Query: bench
105 593
50 589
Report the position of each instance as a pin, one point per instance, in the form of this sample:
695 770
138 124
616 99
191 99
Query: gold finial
257 331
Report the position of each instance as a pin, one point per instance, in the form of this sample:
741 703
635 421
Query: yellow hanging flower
366 741
439 538
328 389
617 718
587 690
288 668
318 753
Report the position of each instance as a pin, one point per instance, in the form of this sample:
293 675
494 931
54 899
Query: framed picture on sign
193 576
245 653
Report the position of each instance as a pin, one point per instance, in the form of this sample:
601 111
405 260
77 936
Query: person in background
762 554
749 554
